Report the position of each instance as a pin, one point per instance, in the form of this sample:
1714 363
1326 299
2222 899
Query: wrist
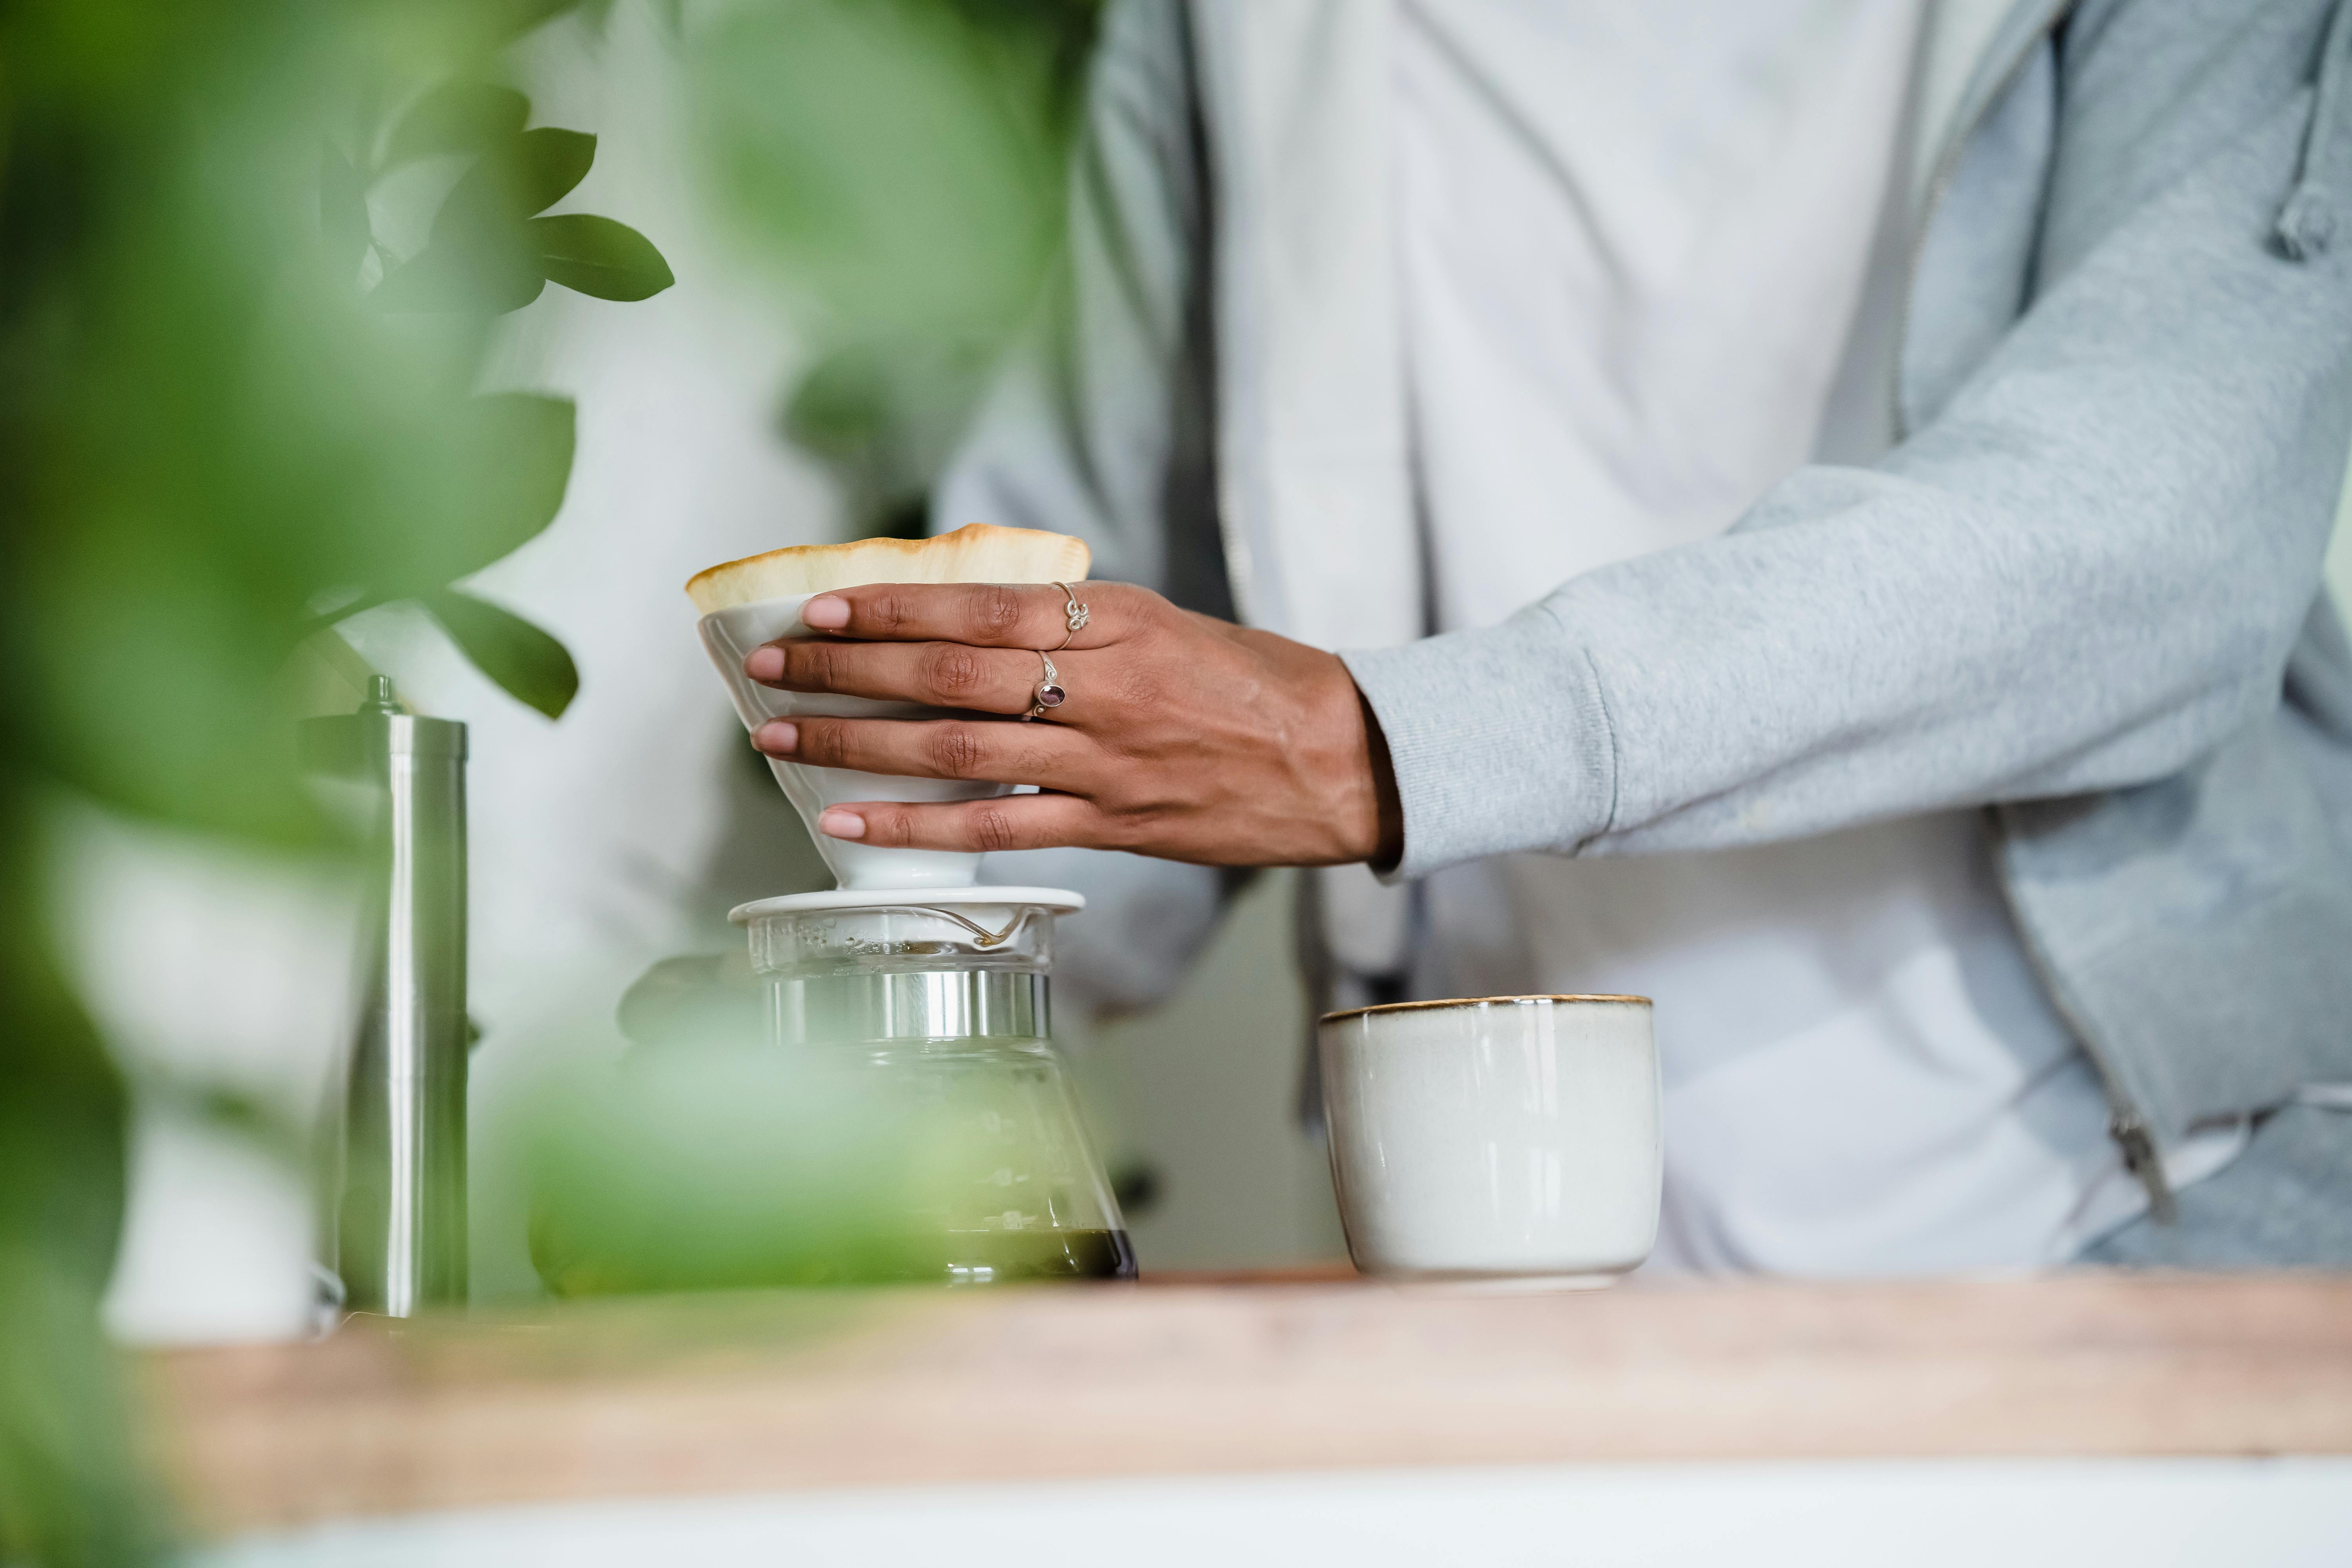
1356 781
1388 808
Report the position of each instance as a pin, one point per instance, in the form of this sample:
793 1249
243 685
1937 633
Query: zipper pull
2131 1134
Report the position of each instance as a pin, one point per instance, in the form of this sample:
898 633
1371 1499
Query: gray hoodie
2082 591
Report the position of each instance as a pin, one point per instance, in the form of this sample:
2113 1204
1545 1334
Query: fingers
984 615
1045 755
1015 822
937 674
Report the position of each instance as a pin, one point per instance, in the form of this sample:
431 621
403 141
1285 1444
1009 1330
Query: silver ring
1049 693
1074 613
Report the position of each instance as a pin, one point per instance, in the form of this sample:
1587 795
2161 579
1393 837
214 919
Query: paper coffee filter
749 602
976 552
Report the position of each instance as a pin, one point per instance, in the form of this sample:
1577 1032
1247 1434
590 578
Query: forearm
1907 652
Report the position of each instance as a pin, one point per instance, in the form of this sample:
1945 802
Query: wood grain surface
838 1389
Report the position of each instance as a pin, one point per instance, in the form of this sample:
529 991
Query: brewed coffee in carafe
896 1113
936 1015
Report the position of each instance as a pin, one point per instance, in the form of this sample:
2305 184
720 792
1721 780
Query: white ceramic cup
1513 1141
729 637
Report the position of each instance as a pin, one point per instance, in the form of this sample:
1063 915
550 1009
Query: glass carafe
931 1021
882 1105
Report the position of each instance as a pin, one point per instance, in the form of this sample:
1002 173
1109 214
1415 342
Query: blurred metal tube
398 1211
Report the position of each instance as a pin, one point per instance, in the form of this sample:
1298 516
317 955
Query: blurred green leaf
599 256
530 666
68 1493
720 1164
900 162
458 117
487 271
517 449
480 257
260 1124
883 413
521 16
342 210
903 164
199 444
539 168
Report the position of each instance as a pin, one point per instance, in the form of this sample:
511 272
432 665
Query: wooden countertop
760 1393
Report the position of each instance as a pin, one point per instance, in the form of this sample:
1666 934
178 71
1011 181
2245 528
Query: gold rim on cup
1475 1002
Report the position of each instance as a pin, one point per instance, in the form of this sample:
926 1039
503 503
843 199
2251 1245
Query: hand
1183 737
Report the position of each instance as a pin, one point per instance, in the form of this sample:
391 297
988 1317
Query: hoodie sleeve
2087 567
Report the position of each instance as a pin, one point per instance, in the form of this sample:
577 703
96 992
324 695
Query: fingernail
825 614
777 737
841 824
765 664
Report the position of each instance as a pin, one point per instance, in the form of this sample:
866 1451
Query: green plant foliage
67 1488
208 430
891 154
541 167
342 209
596 256
480 256
485 271
530 665
230 413
902 163
455 117
727 1166
883 414
519 448
518 175
489 253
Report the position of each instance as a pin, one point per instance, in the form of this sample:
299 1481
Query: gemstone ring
1049 692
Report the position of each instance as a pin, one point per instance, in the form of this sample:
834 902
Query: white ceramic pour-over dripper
730 636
